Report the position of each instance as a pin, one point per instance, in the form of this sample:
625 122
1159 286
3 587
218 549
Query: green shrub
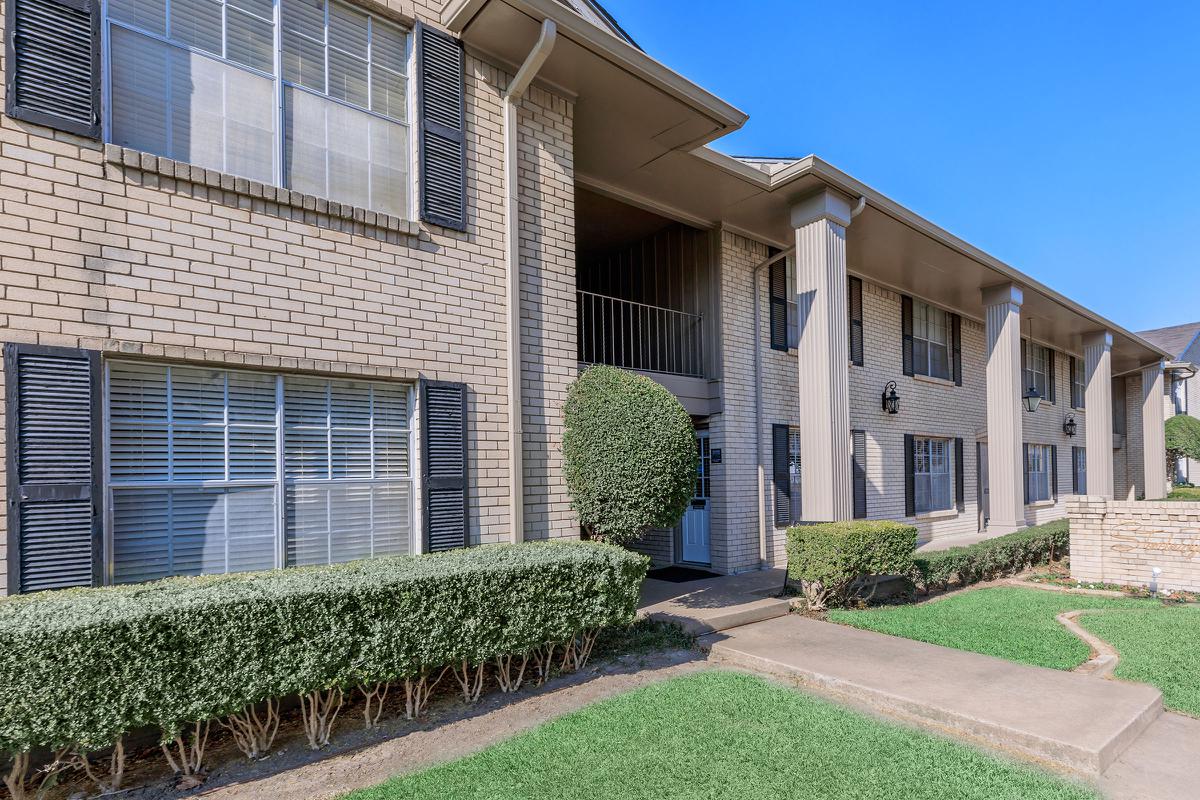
1182 441
82 667
992 558
629 452
829 557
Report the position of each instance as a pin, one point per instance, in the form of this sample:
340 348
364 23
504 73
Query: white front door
694 525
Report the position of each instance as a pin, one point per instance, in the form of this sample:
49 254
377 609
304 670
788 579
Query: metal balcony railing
622 333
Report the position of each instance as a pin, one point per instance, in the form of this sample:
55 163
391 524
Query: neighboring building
1182 385
276 277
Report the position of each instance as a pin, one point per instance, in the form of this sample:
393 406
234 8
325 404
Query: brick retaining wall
1121 541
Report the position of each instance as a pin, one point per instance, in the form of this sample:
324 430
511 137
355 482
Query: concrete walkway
716 604
1067 720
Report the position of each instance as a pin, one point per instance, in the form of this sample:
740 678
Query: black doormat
677 574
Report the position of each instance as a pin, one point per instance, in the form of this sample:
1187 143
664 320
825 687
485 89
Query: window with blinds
307 94
213 471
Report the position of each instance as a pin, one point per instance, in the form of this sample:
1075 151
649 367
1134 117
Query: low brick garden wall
1121 541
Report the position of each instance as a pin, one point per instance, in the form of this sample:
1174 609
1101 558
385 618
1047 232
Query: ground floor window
1037 473
1079 468
794 472
933 474
213 471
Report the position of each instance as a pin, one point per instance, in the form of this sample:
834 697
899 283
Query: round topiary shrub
630 454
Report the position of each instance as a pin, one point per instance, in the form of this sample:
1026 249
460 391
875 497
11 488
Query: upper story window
311 95
931 341
793 308
1077 384
1038 369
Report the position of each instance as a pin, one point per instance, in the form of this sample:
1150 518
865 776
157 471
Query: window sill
1041 504
933 380
944 514
310 204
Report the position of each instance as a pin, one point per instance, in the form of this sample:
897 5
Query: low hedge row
80 668
828 558
992 558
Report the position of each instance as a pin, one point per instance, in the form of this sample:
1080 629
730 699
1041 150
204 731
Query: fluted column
1154 443
1006 473
823 351
1097 400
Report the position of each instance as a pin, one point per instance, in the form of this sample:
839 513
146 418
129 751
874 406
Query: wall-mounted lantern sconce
891 400
1069 426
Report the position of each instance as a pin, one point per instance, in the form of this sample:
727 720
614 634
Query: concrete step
1077 722
716 604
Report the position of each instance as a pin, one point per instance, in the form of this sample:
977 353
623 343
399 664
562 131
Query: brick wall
150 261
1122 541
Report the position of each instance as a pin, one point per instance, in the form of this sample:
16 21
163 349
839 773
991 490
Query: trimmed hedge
992 558
830 556
81 667
629 453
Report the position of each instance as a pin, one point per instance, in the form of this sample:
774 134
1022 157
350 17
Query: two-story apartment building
301 281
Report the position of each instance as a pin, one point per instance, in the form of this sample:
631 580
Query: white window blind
1037 472
931 341
933 474
196 81
194 459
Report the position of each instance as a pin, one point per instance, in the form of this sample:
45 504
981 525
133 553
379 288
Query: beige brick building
313 288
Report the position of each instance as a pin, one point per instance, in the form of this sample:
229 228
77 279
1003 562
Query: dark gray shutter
444 464
782 476
959 475
53 424
1071 385
858 472
52 50
443 137
777 287
906 331
1054 472
910 496
956 348
1051 390
1025 469
854 295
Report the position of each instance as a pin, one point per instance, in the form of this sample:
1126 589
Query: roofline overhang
457 16
836 179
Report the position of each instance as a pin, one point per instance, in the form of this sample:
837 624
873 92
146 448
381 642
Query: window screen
933 474
214 471
931 341
196 81
1037 472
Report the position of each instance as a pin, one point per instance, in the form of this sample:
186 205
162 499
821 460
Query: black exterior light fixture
891 400
1032 397
1069 426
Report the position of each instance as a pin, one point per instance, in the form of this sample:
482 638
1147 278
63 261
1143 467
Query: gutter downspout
512 274
758 404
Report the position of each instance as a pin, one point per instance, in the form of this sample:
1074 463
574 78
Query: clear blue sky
1061 137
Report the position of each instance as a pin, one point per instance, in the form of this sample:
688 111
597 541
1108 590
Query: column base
997 527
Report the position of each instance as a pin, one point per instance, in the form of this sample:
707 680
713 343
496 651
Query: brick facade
152 261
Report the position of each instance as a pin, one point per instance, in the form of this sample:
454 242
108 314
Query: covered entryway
694 544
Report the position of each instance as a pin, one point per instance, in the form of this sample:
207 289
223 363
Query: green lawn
1156 643
724 735
1186 493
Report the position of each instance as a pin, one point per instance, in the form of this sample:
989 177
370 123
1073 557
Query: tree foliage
1183 441
630 454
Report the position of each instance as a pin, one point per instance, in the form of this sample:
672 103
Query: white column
1006 472
1154 443
824 353
1097 401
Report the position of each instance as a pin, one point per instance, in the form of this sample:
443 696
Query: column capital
824 204
1102 339
1003 294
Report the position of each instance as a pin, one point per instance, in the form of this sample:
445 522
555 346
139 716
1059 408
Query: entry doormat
677 574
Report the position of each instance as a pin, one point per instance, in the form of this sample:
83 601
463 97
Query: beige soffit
460 16
834 178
